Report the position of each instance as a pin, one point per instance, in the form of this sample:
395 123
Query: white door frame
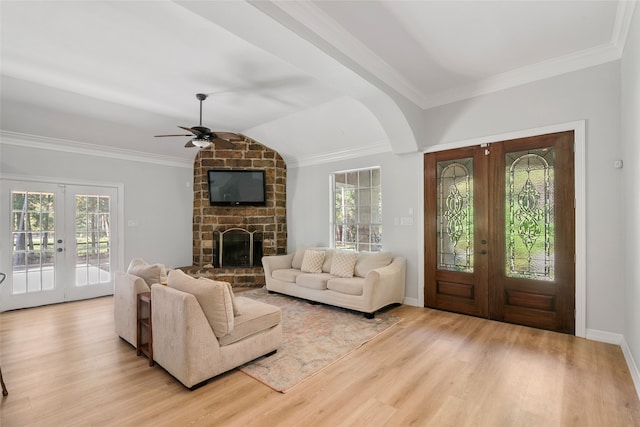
578 127
117 261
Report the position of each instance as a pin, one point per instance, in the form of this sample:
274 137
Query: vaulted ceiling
310 79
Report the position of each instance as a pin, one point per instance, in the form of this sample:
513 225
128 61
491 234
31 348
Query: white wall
155 195
631 190
309 204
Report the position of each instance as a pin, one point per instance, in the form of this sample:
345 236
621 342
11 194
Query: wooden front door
500 231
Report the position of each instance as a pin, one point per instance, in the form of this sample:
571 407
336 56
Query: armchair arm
276 262
386 285
183 342
125 294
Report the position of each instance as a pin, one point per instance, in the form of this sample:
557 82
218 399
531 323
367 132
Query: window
357 210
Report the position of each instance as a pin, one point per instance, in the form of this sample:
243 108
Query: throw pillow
312 261
214 299
343 263
150 273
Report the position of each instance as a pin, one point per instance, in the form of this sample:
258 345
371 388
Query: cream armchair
196 334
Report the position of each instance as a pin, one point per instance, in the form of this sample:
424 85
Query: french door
500 231
58 242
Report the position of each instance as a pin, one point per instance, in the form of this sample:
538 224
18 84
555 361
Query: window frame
365 216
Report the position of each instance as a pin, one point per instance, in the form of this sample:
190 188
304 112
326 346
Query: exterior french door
58 243
500 231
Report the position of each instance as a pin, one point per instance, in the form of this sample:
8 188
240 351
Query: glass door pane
93 239
33 237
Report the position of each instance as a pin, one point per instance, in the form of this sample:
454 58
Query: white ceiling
309 79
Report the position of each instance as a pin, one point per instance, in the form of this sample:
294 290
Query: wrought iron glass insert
455 215
530 214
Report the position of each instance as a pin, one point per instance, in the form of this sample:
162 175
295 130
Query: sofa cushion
314 281
150 273
286 275
351 286
368 261
312 261
214 299
343 263
256 317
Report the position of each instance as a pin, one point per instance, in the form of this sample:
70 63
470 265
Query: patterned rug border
262 294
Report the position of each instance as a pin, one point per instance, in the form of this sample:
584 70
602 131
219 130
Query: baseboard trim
633 368
603 336
412 301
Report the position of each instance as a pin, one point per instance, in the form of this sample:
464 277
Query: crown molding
540 71
54 144
380 148
622 24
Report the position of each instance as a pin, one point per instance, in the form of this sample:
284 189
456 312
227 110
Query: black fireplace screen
237 247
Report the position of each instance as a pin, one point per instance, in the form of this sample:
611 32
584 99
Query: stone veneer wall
270 220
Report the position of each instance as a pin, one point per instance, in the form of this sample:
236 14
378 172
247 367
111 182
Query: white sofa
200 329
376 279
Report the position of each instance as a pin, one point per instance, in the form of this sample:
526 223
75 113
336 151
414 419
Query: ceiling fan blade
193 131
189 144
161 136
222 143
229 136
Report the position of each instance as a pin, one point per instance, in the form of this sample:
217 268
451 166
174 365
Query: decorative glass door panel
455 215
530 210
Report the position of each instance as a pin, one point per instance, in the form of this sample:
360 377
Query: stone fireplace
262 230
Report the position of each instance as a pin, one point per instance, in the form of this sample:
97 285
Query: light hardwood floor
64 366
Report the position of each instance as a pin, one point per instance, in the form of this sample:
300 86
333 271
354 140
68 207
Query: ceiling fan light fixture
201 142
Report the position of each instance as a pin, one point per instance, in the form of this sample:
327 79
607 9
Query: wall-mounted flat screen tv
229 187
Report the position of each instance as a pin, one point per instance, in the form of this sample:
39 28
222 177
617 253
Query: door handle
59 249
483 251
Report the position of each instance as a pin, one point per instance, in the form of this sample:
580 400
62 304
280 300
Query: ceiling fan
203 136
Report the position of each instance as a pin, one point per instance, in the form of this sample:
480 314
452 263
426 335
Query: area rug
313 337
